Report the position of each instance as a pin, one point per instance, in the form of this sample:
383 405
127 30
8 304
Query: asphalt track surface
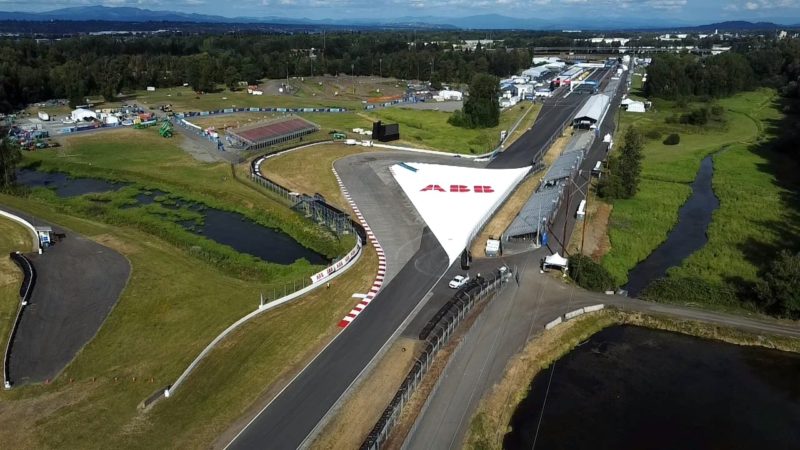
289 419
416 261
78 282
553 116
292 415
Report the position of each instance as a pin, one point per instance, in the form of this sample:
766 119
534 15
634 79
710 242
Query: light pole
380 67
353 76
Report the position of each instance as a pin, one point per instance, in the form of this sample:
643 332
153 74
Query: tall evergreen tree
624 169
10 156
482 107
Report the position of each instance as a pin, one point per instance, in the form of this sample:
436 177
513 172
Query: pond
629 387
688 236
63 185
246 236
227 228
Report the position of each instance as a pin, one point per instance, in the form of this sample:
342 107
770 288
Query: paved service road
78 282
520 312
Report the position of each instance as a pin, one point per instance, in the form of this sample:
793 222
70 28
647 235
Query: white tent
555 260
82 114
455 202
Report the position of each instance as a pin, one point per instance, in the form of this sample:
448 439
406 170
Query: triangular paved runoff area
455 202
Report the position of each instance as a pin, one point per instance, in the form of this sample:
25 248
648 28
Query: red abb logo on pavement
480 189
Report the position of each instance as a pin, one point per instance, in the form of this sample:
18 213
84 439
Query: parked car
458 281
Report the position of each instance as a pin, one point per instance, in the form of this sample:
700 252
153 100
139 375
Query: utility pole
353 75
380 67
566 218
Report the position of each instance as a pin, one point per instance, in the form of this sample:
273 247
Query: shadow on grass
778 147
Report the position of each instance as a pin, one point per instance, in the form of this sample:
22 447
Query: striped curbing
376 285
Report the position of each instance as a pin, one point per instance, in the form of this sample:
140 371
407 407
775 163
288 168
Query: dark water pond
634 388
63 185
245 236
227 228
688 236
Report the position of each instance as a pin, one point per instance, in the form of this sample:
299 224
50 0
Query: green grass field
429 129
171 308
640 224
13 238
144 158
418 128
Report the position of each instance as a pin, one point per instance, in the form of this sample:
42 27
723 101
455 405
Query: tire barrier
437 337
256 110
25 290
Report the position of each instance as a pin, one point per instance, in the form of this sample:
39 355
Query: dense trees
672 76
624 168
482 107
10 156
779 289
77 67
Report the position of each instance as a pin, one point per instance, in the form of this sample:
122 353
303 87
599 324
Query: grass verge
638 225
13 238
171 308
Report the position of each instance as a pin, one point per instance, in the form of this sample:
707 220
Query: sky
677 11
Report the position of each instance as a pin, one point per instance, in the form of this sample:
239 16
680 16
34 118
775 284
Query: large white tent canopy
455 202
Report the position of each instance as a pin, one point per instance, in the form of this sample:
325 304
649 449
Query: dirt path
593 234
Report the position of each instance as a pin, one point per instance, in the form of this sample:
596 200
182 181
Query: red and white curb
376 285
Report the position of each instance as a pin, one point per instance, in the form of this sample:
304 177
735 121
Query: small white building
636 107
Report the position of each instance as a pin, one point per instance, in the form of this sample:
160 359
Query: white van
581 213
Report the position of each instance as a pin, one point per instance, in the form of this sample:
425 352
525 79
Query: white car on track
458 281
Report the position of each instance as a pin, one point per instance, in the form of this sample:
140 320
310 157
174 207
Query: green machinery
166 129
338 135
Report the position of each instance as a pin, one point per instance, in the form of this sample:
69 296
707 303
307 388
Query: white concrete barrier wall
573 314
553 323
593 308
27 225
261 309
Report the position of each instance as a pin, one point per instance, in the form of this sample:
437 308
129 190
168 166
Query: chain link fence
440 331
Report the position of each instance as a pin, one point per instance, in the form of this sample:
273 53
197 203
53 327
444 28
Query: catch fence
437 336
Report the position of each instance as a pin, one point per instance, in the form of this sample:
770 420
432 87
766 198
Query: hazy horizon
679 12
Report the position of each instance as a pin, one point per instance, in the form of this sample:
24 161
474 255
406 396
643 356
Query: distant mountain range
486 21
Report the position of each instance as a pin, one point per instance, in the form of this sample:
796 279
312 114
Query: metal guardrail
24 295
462 303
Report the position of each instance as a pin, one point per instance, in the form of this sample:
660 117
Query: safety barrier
465 299
26 224
254 109
573 314
25 290
261 309
331 272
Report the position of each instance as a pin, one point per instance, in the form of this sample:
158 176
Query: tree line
76 67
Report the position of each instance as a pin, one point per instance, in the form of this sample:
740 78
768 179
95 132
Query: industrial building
264 134
592 111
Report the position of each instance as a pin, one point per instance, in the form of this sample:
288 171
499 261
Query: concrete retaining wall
27 225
